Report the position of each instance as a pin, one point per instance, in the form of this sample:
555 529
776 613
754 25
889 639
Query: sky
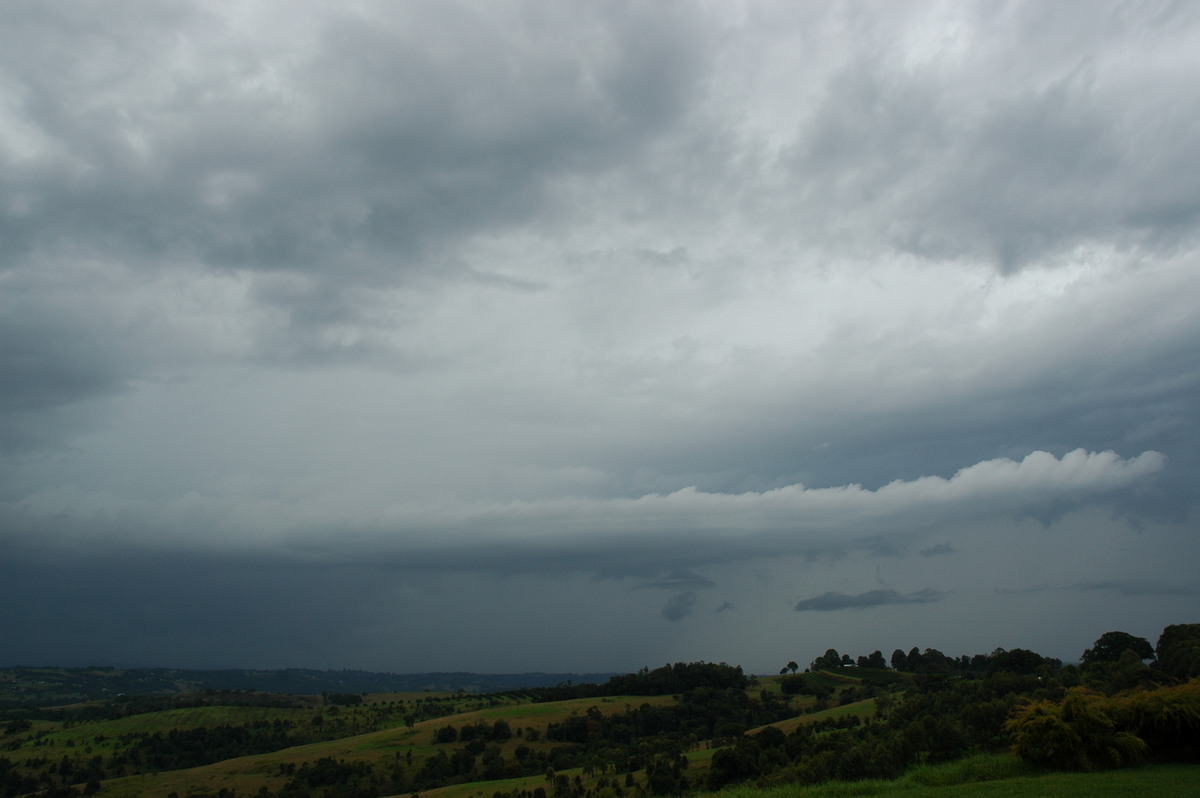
585 336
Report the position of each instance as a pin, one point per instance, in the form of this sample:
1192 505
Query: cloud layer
424 318
831 601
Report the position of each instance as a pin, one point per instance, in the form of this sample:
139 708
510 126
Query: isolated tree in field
792 666
1111 645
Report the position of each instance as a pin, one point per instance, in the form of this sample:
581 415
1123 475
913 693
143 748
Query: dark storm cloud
1120 587
363 160
370 151
448 314
43 367
1139 588
679 579
58 348
833 601
214 610
680 606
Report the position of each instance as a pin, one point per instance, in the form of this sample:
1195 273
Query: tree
792 666
1018 660
1110 645
1179 650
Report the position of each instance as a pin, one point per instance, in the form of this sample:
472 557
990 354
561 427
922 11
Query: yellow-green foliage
1090 731
1167 718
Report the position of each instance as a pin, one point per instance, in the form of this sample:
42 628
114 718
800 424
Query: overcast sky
552 336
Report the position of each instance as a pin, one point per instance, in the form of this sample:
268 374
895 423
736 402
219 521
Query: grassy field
699 760
999 776
863 709
247 774
989 776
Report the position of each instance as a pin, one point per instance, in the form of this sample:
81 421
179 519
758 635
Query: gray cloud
980 164
1120 587
534 311
376 138
1139 588
615 536
680 606
679 579
833 601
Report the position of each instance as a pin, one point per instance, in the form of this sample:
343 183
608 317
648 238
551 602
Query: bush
1077 734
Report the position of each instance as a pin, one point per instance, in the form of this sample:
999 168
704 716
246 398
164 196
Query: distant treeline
667 680
41 686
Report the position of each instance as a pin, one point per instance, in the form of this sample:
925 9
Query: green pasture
172 719
863 709
998 776
540 716
247 774
87 738
699 762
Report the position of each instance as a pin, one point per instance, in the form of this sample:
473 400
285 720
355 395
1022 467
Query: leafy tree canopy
1019 660
1179 650
1111 645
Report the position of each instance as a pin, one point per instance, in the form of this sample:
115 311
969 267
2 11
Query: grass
991 776
863 709
998 776
246 774
186 718
985 776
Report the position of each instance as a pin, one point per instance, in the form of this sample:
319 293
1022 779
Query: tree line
1125 702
